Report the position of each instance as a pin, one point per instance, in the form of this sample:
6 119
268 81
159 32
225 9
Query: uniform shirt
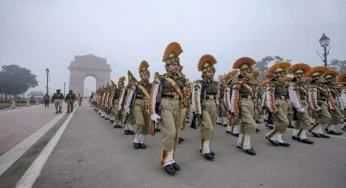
70 96
57 96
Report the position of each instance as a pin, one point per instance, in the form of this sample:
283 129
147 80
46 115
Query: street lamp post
324 42
47 72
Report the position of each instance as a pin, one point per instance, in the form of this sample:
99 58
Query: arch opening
89 85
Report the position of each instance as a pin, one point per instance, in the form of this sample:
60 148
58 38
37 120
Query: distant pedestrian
46 100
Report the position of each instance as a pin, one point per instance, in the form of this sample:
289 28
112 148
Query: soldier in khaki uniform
320 101
336 115
205 102
128 118
106 103
289 103
254 85
276 103
242 104
167 98
57 99
138 102
111 100
232 127
119 94
298 96
342 81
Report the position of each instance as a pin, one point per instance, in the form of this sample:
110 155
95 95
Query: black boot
275 143
250 151
131 132
142 146
126 132
169 169
136 145
176 166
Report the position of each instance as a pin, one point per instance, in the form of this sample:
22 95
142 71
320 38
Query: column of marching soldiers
307 99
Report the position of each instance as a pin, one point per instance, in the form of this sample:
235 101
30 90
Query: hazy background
37 34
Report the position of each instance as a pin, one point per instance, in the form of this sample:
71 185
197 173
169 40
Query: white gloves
155 117
318 109
301 110
119 108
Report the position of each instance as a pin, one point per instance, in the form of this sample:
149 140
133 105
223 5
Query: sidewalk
18 124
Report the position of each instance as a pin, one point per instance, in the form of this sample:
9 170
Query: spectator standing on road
46 100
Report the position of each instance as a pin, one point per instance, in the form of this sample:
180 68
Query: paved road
92 154
18 124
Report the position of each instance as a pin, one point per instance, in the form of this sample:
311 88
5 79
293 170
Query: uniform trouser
336 117
70 105
303 122
247 123
142 118
323 118
171 122
128 120
281 121
58 104
209 115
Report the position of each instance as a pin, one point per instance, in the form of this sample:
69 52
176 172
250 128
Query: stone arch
88 65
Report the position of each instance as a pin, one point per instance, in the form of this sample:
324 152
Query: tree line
15 80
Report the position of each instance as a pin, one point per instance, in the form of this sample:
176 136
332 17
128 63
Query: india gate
88 65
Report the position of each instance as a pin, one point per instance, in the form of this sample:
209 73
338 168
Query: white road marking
11 156
30 176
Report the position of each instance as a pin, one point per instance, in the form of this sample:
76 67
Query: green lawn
3 105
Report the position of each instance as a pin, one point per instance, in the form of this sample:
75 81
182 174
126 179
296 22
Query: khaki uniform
318 97
277 105
166 102
57 99
140 110
298 97
70 99
205 103
241 102
336 115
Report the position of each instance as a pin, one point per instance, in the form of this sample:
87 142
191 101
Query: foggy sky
37 34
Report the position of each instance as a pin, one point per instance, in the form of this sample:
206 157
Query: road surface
91 153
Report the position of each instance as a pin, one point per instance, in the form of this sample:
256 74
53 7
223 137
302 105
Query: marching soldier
167 92
254 85
70 99
342 80
107 107
138 102
117 103
57 99
205 102
289 103
233 124
277 96
128 118
298 96
103 97
336 115
222 115
264 86
113 90
242 104
320 101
